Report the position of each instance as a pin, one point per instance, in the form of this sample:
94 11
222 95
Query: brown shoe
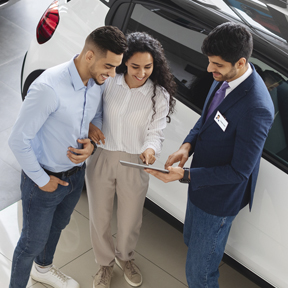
103 277
132 273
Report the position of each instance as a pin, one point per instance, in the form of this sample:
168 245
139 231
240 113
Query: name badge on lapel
221 121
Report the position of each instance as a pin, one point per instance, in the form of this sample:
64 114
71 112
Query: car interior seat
282 95
277 139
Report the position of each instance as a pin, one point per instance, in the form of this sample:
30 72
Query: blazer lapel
211 93
236 95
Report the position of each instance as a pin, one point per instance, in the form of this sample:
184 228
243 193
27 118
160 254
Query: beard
230 75
98 82
226 77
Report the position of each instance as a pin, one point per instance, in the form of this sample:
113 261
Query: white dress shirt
233 84
127 116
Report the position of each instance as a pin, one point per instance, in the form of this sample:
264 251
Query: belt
67 173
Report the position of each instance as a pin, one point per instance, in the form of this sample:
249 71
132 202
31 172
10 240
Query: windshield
268 19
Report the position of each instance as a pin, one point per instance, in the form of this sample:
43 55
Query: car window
277 85
266 18
182 39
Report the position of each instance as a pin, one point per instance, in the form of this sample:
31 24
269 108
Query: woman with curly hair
137 104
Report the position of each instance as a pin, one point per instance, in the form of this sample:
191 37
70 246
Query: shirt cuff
42 181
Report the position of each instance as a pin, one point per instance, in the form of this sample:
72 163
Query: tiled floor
160 252
17 27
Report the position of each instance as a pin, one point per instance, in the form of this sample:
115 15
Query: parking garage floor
160 252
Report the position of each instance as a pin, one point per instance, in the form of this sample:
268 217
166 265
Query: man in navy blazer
226 146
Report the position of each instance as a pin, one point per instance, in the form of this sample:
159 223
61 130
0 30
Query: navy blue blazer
225 165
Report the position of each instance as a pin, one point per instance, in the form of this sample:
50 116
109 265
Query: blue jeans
206 236
45 215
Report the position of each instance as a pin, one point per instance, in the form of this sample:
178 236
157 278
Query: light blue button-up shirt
55 113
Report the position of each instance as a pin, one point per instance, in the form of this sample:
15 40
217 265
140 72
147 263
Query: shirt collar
75 77
120 80
233 84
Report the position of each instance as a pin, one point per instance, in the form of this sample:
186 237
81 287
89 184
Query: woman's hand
148 156
96 134
80 155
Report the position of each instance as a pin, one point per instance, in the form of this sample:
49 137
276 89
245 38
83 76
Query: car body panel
173 194
258 239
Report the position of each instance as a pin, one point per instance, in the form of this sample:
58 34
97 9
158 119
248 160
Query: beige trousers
105 176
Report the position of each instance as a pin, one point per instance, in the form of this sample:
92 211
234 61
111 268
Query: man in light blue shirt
50 141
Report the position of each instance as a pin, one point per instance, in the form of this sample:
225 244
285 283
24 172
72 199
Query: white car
259 239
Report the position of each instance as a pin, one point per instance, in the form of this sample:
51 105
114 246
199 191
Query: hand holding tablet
142 166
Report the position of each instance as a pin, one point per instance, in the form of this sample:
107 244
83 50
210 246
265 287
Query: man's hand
181 156
52 185
148 156
81 154
176 173
96 134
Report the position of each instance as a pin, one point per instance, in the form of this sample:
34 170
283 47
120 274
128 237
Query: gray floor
160 252
17 27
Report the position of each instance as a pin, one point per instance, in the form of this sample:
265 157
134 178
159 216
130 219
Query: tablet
142 166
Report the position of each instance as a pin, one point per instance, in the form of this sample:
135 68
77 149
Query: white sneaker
54 277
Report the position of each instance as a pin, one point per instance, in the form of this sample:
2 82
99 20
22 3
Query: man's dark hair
230 41
108 38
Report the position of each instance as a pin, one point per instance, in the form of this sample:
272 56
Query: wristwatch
95 146
185 178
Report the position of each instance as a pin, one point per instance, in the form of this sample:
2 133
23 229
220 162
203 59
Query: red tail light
48 23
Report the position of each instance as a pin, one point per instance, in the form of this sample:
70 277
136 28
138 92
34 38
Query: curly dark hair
161 75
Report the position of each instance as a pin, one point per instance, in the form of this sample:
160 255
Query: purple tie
217 99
